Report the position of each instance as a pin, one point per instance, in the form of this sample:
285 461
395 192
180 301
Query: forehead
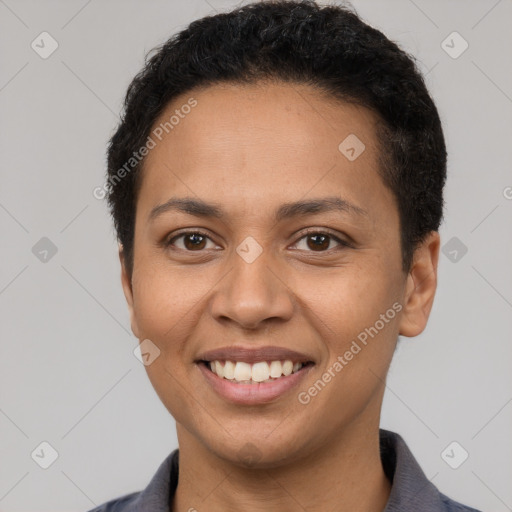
277 142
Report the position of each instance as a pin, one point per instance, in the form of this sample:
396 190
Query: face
300 252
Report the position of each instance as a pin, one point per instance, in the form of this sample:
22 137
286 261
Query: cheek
350 300
166 305
169 305
359 342
164 295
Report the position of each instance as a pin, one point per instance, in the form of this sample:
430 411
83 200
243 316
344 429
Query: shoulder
156 496
410 488
122 504
454 506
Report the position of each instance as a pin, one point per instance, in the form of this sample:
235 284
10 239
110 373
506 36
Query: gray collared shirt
411 491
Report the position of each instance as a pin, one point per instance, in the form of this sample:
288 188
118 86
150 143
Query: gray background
68 375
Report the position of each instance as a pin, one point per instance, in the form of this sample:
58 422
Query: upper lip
254 355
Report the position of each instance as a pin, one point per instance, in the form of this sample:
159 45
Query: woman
276 184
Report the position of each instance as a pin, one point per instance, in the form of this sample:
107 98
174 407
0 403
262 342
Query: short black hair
295 41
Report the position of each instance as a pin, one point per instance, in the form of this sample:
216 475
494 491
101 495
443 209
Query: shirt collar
410 490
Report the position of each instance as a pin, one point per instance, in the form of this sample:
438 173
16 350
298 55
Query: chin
256 452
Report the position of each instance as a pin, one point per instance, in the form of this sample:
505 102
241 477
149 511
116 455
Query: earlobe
421 287
128 291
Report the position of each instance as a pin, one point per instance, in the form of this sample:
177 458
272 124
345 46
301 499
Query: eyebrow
200 208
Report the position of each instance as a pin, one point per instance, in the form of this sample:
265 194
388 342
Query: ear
420 287
128 291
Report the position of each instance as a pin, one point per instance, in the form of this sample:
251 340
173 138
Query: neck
345 475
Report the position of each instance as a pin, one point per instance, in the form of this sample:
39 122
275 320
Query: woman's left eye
319 242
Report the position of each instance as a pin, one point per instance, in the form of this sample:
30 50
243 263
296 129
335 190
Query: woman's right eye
192 241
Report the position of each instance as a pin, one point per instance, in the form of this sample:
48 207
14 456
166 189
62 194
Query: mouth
262 372
253 376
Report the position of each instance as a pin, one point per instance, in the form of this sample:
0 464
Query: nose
252 294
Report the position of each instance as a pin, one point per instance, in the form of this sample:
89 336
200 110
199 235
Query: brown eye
317 241
193 241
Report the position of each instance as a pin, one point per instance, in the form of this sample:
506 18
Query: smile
261 382
260 372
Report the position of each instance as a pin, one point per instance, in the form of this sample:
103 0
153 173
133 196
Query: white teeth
229 370
287 367
261 371
242 371
219 370
276 369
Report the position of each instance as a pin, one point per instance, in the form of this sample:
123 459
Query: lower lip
250 394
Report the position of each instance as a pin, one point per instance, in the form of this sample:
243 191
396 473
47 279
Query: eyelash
341 242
